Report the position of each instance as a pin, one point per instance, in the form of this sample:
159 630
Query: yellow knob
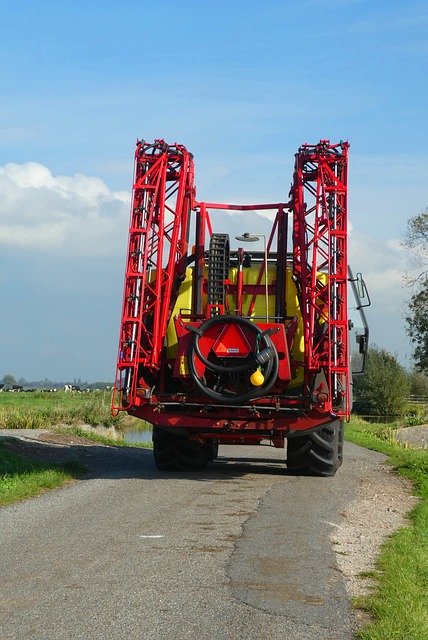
257 378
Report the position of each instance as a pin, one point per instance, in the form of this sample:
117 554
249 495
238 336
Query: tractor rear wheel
174 451
164 449
319 453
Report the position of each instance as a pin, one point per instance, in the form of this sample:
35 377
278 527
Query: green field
41 410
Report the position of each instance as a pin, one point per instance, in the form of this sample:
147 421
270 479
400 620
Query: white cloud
71 215
383 264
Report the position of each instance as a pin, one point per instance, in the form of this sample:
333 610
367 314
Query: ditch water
136 435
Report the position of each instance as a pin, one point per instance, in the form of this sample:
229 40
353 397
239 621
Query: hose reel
223 381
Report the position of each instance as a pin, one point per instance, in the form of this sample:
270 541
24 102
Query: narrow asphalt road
240 551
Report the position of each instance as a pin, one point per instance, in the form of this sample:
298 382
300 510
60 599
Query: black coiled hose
270 362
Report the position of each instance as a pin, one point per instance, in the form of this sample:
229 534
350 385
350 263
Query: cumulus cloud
383 263
71 215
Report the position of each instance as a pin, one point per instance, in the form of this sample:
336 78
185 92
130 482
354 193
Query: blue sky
242 85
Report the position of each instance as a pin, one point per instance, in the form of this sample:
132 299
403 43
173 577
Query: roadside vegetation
41 410
38 410
416 242
399 602
21 478
72 413
384 388
387 391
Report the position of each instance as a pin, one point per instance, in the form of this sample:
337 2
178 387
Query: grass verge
399 603
20 478
38 410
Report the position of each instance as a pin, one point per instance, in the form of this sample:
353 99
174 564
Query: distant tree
417 326
9 380
384 389
416 241
98 385
418 383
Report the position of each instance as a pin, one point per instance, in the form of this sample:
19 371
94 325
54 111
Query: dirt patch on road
45 446
62 438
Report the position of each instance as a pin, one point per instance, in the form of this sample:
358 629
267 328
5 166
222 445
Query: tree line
387 388
10 381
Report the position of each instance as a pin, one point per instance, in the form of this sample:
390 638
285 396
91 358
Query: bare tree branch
416 241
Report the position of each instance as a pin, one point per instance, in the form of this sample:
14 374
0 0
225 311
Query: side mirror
361 286
359 326
361 290
362 343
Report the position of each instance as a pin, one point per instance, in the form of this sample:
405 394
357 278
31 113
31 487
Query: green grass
37 410
399 603
20 478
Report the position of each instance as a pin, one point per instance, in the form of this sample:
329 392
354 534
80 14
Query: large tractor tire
176 452
319 453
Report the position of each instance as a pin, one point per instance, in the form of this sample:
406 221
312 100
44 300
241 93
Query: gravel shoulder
382 503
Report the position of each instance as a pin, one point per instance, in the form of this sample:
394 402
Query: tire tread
319 453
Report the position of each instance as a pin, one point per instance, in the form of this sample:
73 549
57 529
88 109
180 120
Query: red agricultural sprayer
233 346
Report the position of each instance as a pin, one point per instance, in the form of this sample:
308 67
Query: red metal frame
163 195
158 252
319 205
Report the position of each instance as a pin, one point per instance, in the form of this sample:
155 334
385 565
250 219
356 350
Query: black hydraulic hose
238 398
270 373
